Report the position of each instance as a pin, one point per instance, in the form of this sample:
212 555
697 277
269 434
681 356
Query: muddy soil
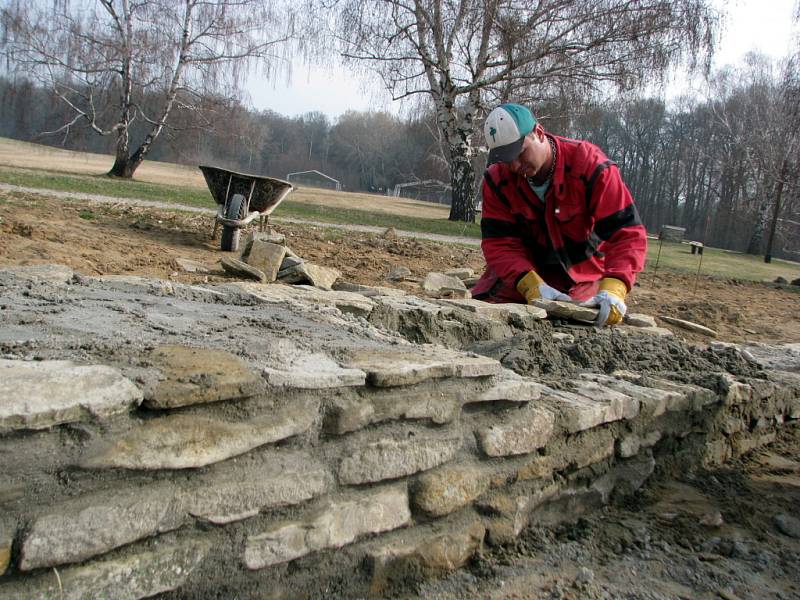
699 534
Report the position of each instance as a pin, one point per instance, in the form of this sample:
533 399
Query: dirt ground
694 535
119 239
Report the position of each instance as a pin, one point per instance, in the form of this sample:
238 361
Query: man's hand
611 301
533 287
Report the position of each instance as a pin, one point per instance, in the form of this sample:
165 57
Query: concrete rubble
229 439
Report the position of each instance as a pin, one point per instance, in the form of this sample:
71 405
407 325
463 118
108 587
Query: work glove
533 287
610 300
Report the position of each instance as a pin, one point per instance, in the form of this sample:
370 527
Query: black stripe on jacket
608 226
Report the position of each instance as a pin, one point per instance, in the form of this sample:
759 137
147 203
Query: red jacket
588 226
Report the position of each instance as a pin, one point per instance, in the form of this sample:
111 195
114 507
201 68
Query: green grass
720 263
118 188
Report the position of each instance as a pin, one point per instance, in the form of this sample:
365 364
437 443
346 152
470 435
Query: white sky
762 25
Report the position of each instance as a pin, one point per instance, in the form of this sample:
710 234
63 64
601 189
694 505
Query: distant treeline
713 166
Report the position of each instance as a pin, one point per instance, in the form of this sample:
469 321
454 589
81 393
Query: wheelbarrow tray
264 193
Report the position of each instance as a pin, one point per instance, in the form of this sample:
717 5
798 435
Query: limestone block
583 449
653 402
321 277
139 575
398 563
271 237
541 467
660 332
639 320
593 406
389 459
54 273
288 263
518 432
41 394
504 313
690 397
461 274
336 524
95 525
189 441
717 452
388 367
436 284
266 257
511 389
197 376
567 310
625 478
448 488
239 268
314 371
228 496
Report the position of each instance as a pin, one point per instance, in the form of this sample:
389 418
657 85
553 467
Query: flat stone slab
783 357
386 367
94 524
188 441
53 273
688 325
41 394
314 371
437 284
192 266
90 526
316 275
518 432
199 375
336 524
579 411
511 388
239 268
654 402
389 459
227 495
567 310
305 297
140 575
504 313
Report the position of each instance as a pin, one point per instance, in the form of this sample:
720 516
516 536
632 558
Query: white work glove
533 287
610 300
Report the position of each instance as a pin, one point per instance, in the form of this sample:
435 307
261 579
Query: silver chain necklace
555 155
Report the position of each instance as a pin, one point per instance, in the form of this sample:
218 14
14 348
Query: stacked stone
323 443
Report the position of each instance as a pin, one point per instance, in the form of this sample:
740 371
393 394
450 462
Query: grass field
37 166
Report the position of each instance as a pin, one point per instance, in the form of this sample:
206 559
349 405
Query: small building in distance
315 179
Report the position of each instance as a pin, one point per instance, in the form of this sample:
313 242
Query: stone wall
249 440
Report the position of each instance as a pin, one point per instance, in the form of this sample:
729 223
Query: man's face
535 154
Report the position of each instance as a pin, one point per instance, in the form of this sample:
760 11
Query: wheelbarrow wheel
229 240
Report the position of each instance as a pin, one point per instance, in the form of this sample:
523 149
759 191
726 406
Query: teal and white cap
505 130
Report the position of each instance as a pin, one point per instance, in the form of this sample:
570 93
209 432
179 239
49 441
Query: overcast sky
761 25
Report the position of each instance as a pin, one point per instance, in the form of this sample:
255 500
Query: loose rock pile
230 439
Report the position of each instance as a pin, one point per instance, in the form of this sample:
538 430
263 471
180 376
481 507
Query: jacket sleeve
617 224
502 237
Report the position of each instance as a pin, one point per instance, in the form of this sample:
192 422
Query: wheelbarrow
242 198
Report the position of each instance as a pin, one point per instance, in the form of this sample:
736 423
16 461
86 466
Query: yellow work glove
532 287
610 300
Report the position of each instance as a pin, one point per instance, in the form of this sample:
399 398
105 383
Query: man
558 221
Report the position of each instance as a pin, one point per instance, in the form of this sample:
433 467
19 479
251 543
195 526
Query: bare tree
465 54
101 58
